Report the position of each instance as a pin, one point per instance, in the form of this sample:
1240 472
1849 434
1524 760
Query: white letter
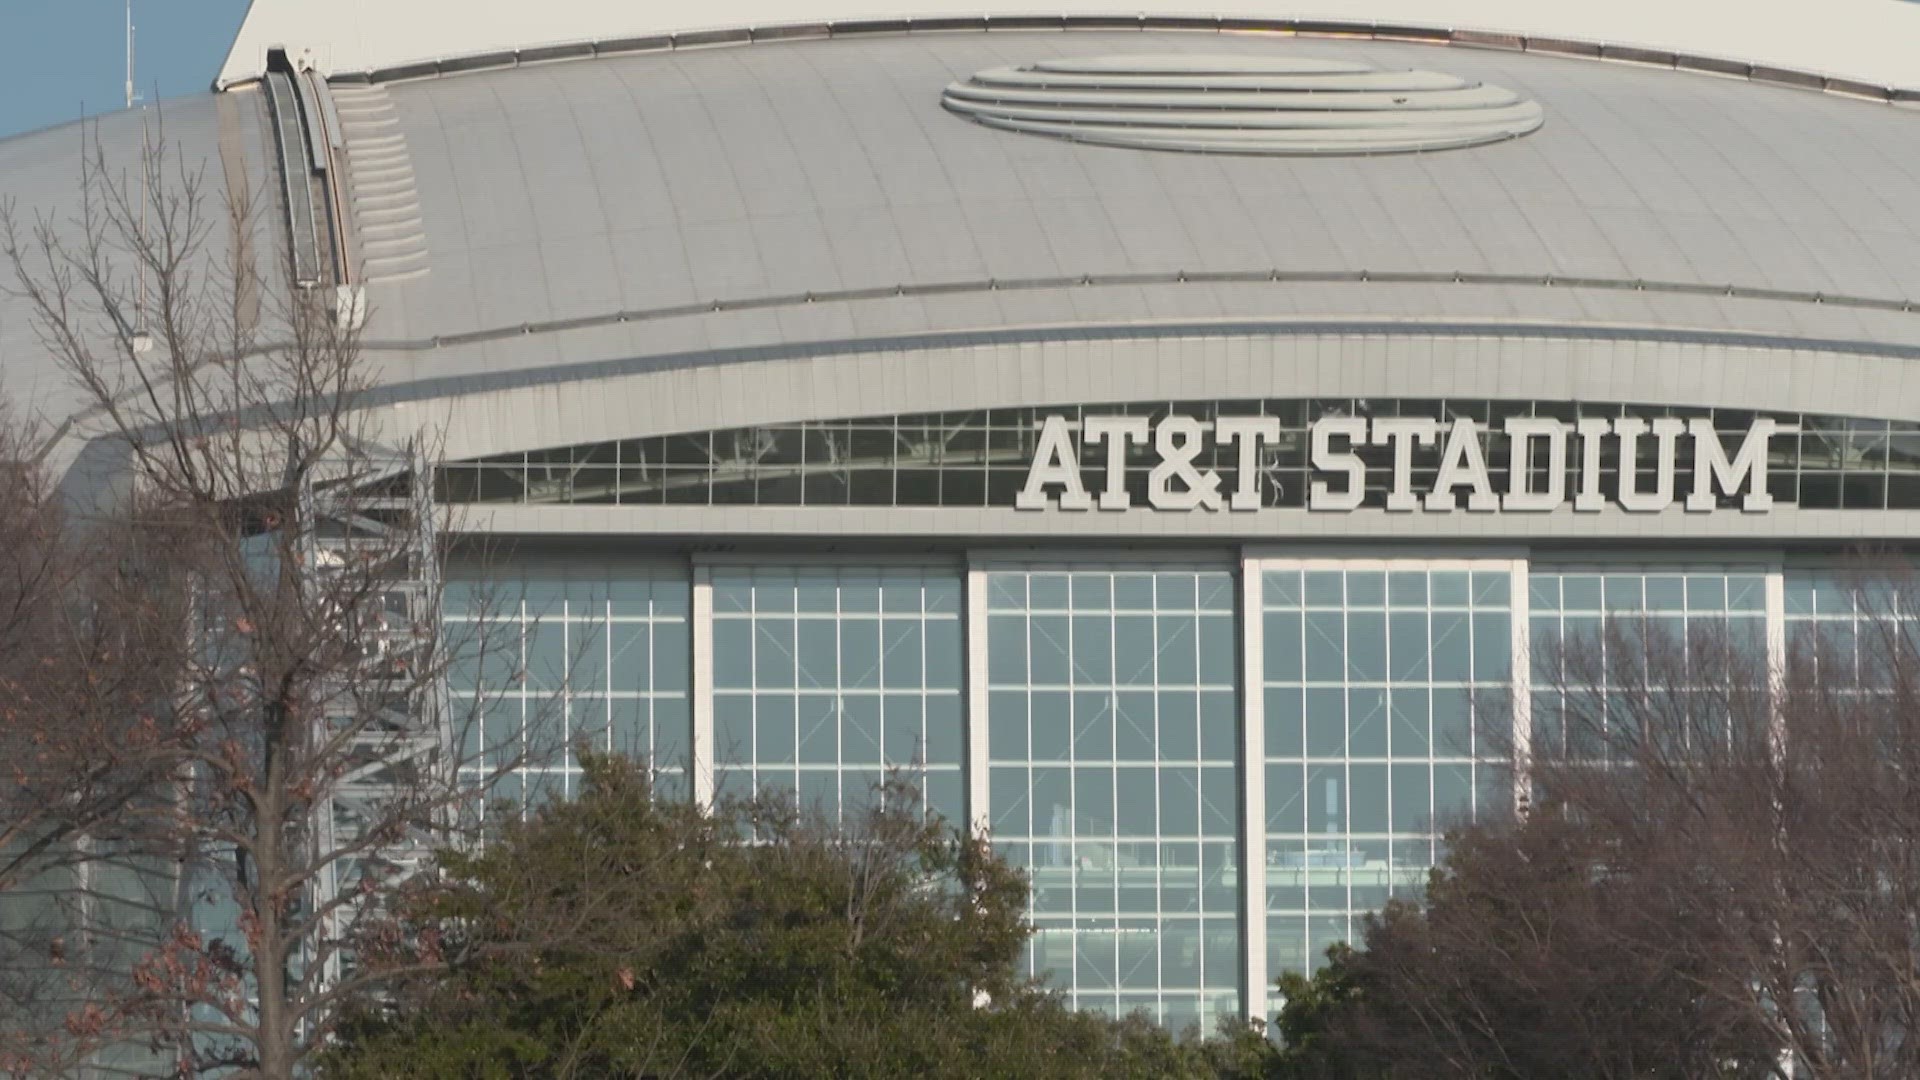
1666 430
1054 462
1403 432
1325 458
1116 432
1521 431
1245 434
1179 439
1462 463
1749 466
1593 430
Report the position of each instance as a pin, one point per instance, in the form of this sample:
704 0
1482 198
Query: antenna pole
129 54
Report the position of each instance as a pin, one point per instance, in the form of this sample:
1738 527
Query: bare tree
1771 796
1723 855
279 556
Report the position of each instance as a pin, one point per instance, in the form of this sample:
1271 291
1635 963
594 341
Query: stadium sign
1177 479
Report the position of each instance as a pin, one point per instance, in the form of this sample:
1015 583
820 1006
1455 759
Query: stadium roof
693 206
1870 40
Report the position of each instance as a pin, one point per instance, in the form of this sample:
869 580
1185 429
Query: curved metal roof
1871 40
774 174
702 202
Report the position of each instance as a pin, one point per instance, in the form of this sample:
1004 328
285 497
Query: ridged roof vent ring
1243 105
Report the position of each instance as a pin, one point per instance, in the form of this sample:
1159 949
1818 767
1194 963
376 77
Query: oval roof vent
1243 105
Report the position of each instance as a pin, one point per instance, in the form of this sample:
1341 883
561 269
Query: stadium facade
1172 437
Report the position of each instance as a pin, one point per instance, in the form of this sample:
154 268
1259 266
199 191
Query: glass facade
1598 609
1386 717
1111 719
1090 714
825 678
589 654
980 457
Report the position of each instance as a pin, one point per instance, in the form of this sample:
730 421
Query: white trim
700 630
974 626
1776 607
1520 700
1253 792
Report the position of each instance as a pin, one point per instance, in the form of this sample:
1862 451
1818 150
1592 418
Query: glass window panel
819 730
1179 715
1048 649
1324 589
1134 648
1409 732
1175 592
1092 650
1407 646
944 729
1007 650
732 727
1281 588
1492 588
1048 592
860 729
819 659
900 594
1449 588
1367 722
860 663
1133 592
1217 651
944 796
1452 647
1366 588
1218 726
1282 646
1367 798
1326 722
1092 592
1452 722
773 655
1492 647
1286 799
1179 801
1366 647
1452 793
1093 725
1178 645
1134 728
1326 798
774 727
1219 801
944 654
1136 795
672 658
1412 790
1326 646
1286 737
1007 797
900 664
1052 727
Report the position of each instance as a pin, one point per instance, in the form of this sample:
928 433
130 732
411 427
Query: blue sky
58 56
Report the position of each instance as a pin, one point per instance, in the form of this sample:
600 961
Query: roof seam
1172 277
1819 82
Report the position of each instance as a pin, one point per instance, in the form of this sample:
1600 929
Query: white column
1521 686
1776 655
701 629
1253 792
974 625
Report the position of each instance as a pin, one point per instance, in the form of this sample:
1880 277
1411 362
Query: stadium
1163 433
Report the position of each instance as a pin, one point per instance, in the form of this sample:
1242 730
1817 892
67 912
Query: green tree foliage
625 935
